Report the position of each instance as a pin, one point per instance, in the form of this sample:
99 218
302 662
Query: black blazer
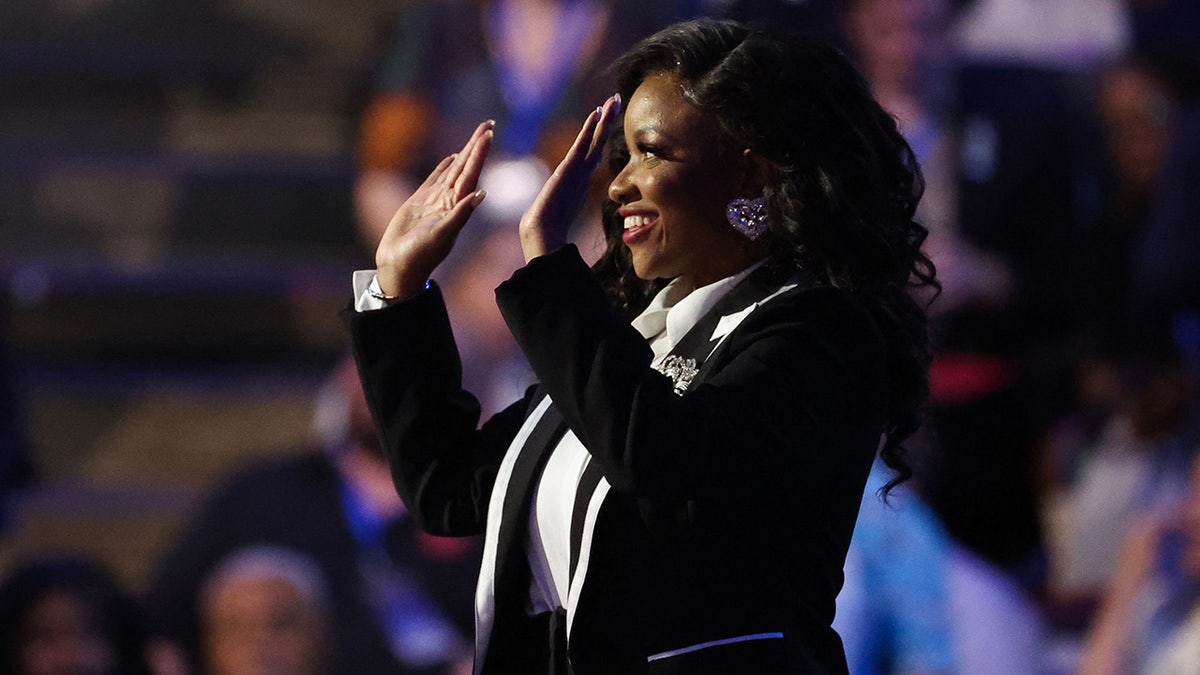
717 543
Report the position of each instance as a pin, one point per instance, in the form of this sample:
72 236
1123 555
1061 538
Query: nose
621 189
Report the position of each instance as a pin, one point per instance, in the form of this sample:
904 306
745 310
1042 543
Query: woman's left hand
544 226
421 234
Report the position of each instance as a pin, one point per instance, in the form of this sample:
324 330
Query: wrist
532 246
391 286
375 292
536 245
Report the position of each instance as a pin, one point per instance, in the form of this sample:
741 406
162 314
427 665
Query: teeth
632 222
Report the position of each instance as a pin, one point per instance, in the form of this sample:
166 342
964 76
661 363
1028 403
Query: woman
676 495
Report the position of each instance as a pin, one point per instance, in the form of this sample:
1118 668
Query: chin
639 269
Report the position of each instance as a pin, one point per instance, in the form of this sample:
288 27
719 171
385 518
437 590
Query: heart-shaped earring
748 216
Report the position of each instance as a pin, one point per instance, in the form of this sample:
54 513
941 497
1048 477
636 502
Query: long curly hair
845 187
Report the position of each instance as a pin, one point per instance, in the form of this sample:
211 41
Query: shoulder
833 313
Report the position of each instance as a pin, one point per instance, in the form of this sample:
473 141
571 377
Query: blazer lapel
503 577
694 351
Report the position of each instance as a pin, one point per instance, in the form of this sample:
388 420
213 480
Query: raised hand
544 226
422 233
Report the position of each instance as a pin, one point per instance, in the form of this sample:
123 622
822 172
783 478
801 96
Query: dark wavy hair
843 195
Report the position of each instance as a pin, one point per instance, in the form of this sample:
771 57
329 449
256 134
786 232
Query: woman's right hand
422 233
544 226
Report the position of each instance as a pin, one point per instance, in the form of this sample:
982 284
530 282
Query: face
675 188
262 626
63 638
1136 111
892 37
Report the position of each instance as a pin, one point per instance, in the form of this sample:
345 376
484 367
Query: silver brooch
681 371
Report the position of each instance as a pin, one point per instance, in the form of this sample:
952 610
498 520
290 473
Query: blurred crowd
1053 522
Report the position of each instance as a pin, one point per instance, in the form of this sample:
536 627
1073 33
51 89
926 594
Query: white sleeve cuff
366 281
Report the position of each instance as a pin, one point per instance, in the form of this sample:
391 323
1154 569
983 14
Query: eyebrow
642 132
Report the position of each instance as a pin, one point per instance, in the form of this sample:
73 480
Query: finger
457 216
608 114
468 178
438 171
456 168
577 153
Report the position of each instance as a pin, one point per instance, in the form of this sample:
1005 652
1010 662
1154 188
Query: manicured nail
491 124
478 197
599 109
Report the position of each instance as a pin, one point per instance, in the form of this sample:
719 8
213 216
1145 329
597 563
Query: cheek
681 194
703 208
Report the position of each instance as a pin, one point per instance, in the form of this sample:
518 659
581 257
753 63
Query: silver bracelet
374 291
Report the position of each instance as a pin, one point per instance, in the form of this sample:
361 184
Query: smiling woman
676 186
677 494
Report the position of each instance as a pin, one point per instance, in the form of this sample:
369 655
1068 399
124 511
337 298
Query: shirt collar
677 307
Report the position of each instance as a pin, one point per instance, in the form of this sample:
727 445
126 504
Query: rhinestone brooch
681 371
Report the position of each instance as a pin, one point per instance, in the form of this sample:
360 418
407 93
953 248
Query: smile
634 222
636 228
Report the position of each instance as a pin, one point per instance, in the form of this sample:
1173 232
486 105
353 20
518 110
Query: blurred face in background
894 39
1137 112
62 636
262 625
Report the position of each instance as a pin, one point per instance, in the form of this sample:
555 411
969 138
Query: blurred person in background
1123 447
67 616
903 48
1167 258
265 611
1137 465
1138 111
400 600
1149 621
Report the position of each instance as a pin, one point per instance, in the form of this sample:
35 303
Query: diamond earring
748 216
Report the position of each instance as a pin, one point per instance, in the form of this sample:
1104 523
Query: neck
746 255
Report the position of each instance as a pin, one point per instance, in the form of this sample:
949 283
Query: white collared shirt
676 308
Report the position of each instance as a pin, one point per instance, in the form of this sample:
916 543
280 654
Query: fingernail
478 197
491 124
617 98
599 109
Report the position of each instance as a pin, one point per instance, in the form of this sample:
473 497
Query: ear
757 172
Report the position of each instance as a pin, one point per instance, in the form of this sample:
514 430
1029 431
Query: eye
649 150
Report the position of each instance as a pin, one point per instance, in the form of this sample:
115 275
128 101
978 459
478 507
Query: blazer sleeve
795 402
443 466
